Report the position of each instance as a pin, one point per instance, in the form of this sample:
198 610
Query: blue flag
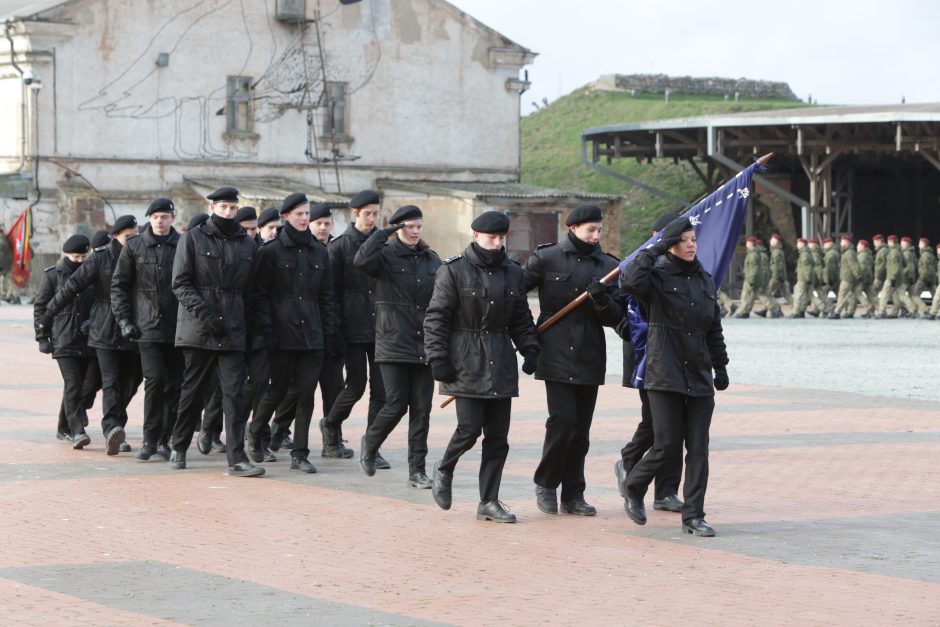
717 220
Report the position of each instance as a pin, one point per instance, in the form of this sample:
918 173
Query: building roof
18 9
473 190
268 188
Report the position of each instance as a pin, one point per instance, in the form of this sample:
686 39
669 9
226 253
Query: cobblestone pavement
826 503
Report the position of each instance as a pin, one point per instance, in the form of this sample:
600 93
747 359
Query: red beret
906 239
776 236
801 240
752 240
813 240
828 240
863 242
847 236
892 238
878 237
924 240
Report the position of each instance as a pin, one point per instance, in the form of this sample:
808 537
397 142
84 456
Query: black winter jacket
141 288
354 289
685 340
405 282
96 271
66 335
573 349
294 294
211 278
475 315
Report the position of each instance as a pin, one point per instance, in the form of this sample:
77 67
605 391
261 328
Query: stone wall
712 86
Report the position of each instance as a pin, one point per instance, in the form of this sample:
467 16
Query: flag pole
613 274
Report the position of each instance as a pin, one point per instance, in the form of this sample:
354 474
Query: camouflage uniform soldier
850 276
866 266
881 256
755 281
909 255
766 274
895 285
935 302
726 306
926 275
818 270
779 283
830 278
805 279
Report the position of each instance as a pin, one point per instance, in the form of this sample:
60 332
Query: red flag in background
19 236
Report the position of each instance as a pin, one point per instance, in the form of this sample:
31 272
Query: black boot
546 499
366 459
440 487
494 510
147 449
578 507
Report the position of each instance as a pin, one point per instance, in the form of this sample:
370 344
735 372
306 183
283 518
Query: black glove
129 330
45 323
670 235
598 293
217 327
391 228
443 372
45 346
530 361
721 378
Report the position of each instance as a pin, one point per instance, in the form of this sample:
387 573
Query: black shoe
380 463
546 500
287 442
163 450
776 314
218 446
300 464
146 451
366 460
698 527
338 451
125 447
833 316
245 469
440 487
494 510
178 460
867 315
277 440
419 480
578 507
797 315
113 440
65 437
254 449
80 441
635 510
761 314
742 316
670 504
204 442
267 455
328 434
621 470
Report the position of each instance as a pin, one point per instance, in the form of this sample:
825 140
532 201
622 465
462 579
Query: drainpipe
8 27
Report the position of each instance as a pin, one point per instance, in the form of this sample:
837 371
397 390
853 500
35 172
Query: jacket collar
115 247
356 234
209 228
474 258
150 239
402 250
673 268
568 246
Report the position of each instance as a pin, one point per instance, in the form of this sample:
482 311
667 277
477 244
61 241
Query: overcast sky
838 51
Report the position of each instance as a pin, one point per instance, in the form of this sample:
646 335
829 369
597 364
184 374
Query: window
334 115
238 105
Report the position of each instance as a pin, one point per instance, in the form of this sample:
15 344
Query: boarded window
238 105
335 110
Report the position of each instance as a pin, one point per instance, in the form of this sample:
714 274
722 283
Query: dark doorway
528 230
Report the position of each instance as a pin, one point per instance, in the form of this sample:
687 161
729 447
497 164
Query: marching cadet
935 301
573 358
820 281
355 291
850 276
117 356
895 284
926 276
143 303
247 218
477 312
211 278
268 224
64 339
756 275
866 267
779 284
830 280
881 257
804 291
294 297
404 268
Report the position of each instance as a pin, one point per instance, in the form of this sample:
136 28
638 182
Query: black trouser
677 417
120 377
567 431
491 418
162 366
330 384
408 388
212 422
286 409
303 368
258 378
357 357
75 372
667 479
199 375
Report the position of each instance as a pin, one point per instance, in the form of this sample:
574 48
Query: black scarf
160 239
490 258
229 227
300 238
71 265
687 267
581 246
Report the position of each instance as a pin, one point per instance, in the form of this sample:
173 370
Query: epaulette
545 245
48 269
130 237
515 262
100 248
614 257
450 259
273 239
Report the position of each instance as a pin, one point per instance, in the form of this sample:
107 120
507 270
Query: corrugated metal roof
860 114
18 9
268 188
461 189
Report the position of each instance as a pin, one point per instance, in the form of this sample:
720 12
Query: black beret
403 214
268 215
321 210
164 205
76 244
293 201
224 194
663 220
363 198
585 213
246 213
491 222
100 238
124 222
198 219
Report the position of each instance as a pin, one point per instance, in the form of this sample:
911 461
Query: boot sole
115 441
701 534
80 444
497 520
566 511
254 472
420 486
